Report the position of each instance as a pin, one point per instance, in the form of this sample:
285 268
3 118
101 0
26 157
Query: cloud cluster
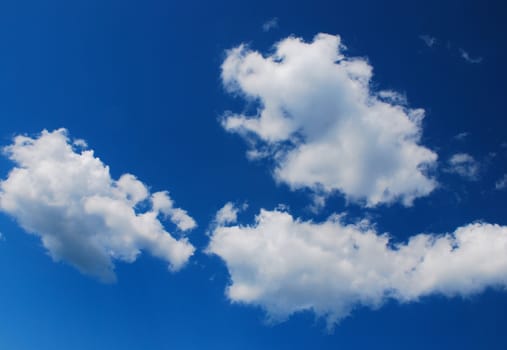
324 128
62 193
323 125
286 265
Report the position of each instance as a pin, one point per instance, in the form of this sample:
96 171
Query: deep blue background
139 81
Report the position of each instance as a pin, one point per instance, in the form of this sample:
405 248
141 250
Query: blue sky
148 87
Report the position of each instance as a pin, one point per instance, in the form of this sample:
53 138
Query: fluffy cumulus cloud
463 164
62 193
286 265
323 125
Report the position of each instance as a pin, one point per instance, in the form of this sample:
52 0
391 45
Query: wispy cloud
432 42
466 56
465 165
501 184
428 40
461 136
270 24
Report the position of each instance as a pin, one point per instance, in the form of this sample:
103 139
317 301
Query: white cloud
466 56
228 214
270 24
286 265
501 184
461 136
83 216
428 40
464 165
80 143
162 203
392 97
324 127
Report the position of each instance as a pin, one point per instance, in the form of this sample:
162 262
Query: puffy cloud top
324 127
287 265
66 196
